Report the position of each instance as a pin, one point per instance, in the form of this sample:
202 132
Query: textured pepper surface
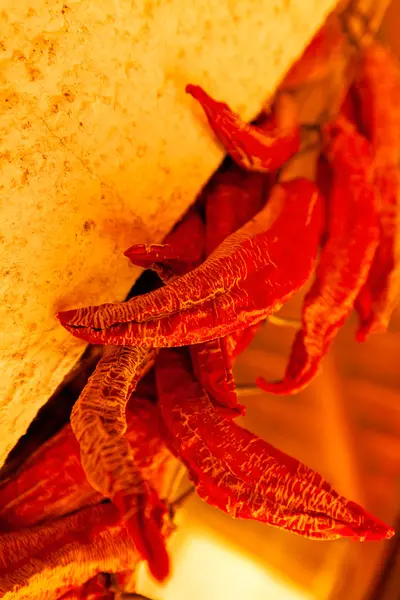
238 285
377 89
262 148
345 261
242 474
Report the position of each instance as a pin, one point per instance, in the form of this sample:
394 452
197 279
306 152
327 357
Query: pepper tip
271 387
191 89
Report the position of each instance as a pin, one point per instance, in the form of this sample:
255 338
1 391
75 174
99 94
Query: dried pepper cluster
164 387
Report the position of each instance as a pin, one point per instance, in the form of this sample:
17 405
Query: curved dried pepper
183 250
238 285
52 482
378 91
317 60
48 560
242 474
73 548
345 259
99 424
261 148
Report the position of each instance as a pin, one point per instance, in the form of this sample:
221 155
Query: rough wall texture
100 148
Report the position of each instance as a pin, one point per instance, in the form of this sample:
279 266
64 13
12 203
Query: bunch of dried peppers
164 387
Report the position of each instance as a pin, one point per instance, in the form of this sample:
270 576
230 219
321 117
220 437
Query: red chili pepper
99 424
43 490
238 285
261 148
318 59
63 548
231 198
378 91
52 482
57 558
242 474
211 361
345 259
116 465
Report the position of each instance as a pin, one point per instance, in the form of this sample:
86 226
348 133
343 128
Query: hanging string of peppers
251 242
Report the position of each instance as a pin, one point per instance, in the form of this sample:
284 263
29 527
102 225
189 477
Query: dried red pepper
242 474
42 490
119 466
262 148
99 424
51 559
46 561
211 359
377 89
236 287
231 199
52 482
345 259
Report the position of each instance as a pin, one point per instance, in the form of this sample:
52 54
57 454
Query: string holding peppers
232 261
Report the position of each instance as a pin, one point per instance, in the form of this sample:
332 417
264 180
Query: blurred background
346 425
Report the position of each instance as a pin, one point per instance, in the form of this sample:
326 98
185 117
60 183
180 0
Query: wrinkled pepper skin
377 90
52 483
243 272
98 421
345 261
242 474
262 148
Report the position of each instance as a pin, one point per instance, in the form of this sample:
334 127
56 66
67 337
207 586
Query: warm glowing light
206 569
